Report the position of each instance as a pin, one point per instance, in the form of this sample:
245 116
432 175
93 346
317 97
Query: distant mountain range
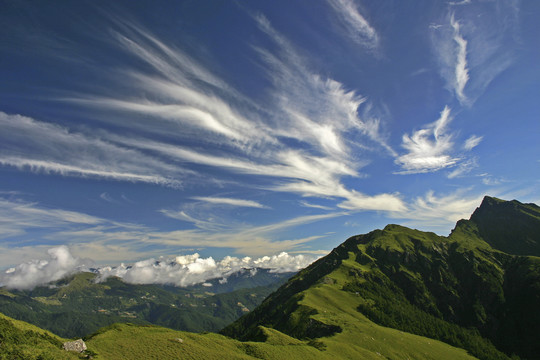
395 293
78 305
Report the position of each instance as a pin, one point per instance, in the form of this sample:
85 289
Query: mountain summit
470 289
509 226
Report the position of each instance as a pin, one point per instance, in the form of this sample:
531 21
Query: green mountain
458 289
78 306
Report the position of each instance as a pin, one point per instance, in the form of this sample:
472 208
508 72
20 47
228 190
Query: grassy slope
365 340
359 335
125 341
20 340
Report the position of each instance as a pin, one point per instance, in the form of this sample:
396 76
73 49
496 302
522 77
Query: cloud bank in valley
183 270
37 272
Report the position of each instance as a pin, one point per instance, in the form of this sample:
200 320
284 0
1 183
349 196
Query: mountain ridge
478 295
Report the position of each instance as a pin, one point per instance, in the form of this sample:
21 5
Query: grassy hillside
22 341
150 342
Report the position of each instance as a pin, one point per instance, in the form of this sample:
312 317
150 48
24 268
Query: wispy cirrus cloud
29 144
17 216
321 110
317 113
472 142
451 50
463 168
315 206
432 212
461 73
230 201
90 236
174 98
355 24
211 230
474 42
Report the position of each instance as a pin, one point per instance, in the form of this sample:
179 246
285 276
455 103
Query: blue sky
138 129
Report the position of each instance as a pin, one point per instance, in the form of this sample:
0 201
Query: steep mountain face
509 226
459 289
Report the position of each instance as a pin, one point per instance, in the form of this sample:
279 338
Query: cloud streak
322 118
438 212
230 201
461 72
16 217
357 27
474 49
29 144
89 235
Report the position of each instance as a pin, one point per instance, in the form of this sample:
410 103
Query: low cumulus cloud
28 275
184 270
192 269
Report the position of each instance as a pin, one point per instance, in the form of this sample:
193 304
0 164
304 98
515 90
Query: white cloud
458 3
477 44
230 201
472 142
37 146
17 216
431 212
183 270
105 196
355 24
59 264
463 168
107 240
317 113
428 149
245 239
461 71
388 202
321 110
315 206
186 270
432 148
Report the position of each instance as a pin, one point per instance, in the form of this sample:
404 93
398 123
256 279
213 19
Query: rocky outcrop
77 346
